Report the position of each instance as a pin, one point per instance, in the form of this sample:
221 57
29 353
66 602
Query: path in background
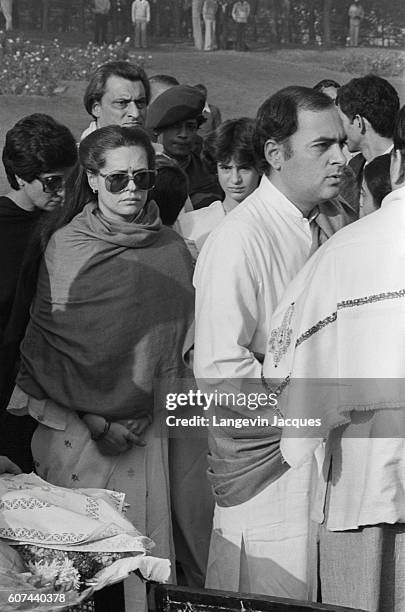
237 82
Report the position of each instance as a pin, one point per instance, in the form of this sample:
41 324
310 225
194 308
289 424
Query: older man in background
117 94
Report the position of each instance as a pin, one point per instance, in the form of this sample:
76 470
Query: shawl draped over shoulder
113 306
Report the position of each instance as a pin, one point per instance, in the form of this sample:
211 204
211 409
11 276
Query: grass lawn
237 82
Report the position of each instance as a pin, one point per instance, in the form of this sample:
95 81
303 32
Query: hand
7 466
139 425
118 440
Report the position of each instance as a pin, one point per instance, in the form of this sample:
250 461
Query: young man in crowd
368 107
175 116
260 536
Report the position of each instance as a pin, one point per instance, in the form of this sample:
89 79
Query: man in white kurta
344 366
260 532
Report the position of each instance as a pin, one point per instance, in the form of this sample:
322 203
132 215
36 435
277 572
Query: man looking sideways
260 536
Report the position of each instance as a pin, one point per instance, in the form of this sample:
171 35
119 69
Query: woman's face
123 206
47 191
236 180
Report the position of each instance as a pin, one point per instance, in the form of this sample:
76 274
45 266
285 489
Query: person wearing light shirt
140 14
260 532
343 364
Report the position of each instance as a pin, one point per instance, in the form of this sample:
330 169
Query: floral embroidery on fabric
75 478
316 328
377 297
92 508
29 503
68 444
280 338
33 534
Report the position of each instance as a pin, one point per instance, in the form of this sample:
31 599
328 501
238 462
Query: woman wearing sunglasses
113 306
37 155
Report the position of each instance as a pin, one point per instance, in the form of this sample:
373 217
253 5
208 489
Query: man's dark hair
95 89
377 177
399 131
37 144
325 83
373 98
164 79
277 117
232 139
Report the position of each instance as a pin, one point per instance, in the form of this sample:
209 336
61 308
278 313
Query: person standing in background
356 15
101 10
140 19
209 11
240 14
6 7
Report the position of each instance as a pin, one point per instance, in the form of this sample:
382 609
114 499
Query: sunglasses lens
116 182
53 183
144 179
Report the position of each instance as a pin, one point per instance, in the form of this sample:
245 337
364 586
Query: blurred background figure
211 114
328 87
240 14
228 150
160 83
140 14
6 7
223 17
209 11
356 16
101 10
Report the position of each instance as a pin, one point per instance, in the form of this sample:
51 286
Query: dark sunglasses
118 181
52 184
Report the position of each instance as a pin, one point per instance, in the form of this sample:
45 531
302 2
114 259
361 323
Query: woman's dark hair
37 144
170 190
399 131
92 152
232 139
377 177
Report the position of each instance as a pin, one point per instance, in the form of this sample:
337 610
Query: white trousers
262 546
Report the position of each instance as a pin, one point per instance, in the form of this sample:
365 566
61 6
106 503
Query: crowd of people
153 255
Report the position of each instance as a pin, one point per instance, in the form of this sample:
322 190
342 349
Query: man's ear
397 169
96 110
361 123
274 153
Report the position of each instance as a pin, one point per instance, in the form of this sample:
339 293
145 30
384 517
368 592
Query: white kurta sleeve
226 309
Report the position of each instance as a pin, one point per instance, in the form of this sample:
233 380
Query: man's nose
183 132
133 110
235 175
337 155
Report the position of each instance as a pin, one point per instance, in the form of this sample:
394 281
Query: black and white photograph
202 305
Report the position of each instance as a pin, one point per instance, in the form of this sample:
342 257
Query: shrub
382 64
28 68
